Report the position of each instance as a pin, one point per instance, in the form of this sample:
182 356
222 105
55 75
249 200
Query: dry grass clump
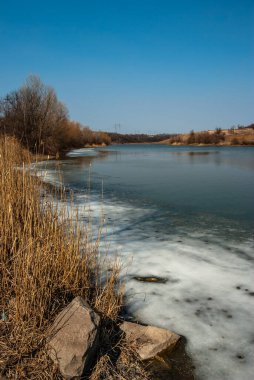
118 359
41 269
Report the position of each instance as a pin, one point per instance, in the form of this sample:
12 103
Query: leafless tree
32 113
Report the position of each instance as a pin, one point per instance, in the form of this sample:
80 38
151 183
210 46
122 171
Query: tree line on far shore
35 116
135 138
234 136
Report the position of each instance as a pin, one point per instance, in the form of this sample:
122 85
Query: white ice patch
210 301
209 293
208 296
82 152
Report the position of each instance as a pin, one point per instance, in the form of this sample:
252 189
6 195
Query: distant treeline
199 138
35 116
119 138
240 135
251 126
205 137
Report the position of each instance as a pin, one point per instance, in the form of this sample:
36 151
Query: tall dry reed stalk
41 268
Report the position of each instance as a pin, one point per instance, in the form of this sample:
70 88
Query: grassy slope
236 137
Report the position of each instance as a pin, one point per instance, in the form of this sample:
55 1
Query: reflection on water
199 153
181 217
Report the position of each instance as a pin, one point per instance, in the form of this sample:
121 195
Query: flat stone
72 339
150 340
156 279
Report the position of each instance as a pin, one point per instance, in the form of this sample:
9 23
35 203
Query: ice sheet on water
82 152
209 295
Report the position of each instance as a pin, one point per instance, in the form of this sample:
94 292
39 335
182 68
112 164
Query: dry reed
42 269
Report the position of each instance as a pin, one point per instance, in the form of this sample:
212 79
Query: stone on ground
73 339
149 340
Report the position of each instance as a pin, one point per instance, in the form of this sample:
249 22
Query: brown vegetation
35 116
121 138
47 259
205 137
233 136
71 134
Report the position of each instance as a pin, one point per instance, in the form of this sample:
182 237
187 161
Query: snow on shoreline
208 295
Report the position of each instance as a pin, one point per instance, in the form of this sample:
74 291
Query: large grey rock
73 338
149 340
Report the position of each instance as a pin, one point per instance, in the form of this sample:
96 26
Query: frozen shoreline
208 293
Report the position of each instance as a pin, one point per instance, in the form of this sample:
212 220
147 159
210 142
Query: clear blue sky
150 65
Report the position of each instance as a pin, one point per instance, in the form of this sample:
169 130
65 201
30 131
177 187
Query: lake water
185 214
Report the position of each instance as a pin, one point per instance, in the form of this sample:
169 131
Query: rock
175 365
150 340
159 280
73 339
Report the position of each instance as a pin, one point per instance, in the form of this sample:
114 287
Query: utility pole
117 127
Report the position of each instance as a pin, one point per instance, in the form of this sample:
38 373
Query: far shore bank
204 145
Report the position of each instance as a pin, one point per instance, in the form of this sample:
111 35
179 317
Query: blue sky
151 66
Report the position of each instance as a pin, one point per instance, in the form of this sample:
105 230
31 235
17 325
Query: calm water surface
185 214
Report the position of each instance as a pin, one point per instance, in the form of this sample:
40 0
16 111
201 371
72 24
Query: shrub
32 114
40 121
235 141
205 137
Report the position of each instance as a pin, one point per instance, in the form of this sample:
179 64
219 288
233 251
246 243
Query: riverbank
42 271
241 136
204 145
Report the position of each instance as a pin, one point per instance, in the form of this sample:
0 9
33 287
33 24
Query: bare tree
32 113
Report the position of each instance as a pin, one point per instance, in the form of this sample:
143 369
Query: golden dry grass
42 269
240 139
